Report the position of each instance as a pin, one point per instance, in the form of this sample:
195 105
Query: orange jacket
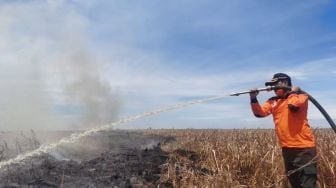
290 118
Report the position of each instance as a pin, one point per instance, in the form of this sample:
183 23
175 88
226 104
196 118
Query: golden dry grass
237 158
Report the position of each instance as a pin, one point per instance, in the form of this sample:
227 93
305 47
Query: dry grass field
165 158
237 158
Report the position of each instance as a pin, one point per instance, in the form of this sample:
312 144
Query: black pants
295 158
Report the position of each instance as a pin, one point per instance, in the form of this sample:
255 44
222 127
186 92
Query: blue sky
83 63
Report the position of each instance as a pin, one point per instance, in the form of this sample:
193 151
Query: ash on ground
108 159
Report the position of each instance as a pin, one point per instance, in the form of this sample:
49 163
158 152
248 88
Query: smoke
49 77
22 99
84 87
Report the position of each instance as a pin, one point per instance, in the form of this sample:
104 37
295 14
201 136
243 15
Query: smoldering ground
109 158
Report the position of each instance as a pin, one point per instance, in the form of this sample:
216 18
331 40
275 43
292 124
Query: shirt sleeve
261 111
296 101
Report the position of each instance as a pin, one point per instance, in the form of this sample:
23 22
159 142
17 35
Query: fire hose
311 99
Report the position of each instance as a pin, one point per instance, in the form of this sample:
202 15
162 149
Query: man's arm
296 99
259 111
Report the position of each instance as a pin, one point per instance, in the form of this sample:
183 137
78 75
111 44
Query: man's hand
253 93
296 89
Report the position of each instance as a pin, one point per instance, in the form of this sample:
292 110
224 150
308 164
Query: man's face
281 92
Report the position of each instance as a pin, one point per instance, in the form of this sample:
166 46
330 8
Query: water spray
311 99
76 136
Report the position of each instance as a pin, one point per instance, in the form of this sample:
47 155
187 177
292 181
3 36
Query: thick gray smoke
49 77
85 88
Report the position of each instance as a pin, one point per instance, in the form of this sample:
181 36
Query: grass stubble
237 158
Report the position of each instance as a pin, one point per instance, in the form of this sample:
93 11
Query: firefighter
289 110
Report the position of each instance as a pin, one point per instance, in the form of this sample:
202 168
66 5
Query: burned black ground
115 158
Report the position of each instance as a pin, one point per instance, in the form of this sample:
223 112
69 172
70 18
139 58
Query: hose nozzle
268 88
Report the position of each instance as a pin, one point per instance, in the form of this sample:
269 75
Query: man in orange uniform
289 109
